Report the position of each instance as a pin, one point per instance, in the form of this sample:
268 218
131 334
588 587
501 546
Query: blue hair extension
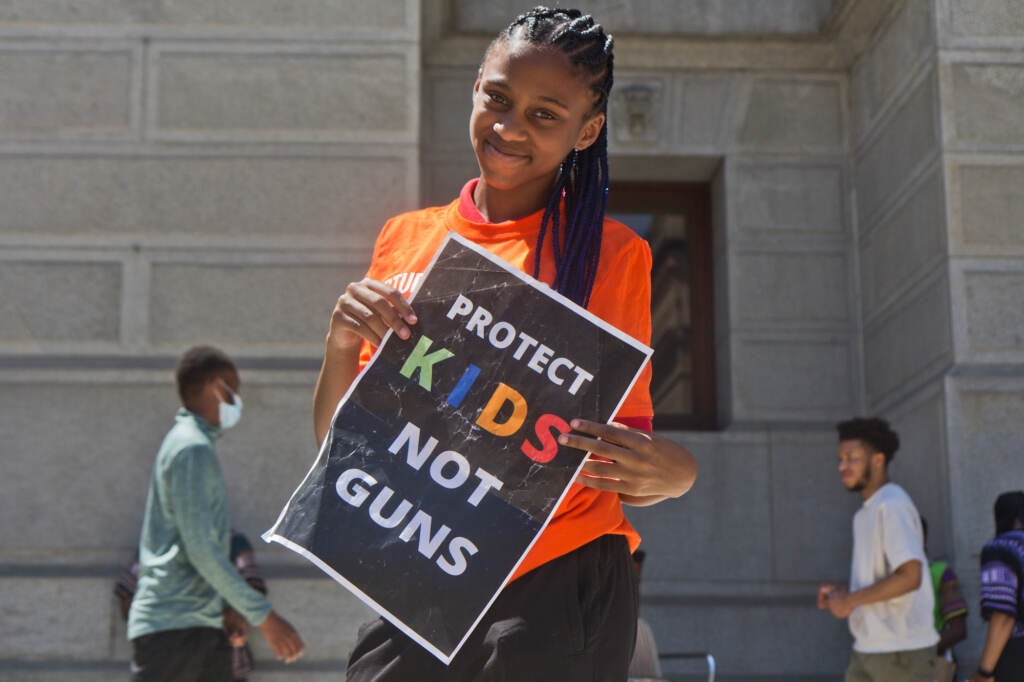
582 180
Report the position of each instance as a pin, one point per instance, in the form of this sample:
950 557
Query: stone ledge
326 671
149 362
19 670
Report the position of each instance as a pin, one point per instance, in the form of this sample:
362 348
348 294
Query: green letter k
420 359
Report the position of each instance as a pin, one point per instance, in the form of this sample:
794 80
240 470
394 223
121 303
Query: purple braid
582 180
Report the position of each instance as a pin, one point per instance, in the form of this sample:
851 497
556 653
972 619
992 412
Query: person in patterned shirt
1002 600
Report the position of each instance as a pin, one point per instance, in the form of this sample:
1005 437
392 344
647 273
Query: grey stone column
938 111
981 78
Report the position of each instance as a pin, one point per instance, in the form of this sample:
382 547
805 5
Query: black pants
1011 662
187 655
572 619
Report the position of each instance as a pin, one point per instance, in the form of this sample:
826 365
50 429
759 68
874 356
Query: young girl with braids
538 129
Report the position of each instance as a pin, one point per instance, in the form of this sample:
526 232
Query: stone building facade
175 171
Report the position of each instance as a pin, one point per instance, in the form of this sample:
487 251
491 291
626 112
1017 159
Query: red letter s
549 446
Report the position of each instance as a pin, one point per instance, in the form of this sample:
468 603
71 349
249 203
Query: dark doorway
675 219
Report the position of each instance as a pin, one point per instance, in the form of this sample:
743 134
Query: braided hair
582 180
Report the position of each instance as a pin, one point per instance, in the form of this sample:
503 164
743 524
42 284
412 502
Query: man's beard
862 482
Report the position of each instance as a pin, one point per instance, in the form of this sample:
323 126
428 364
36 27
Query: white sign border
271 535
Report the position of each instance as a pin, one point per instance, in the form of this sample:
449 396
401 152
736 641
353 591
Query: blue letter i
458 393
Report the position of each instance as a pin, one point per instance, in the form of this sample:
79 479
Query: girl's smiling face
531 107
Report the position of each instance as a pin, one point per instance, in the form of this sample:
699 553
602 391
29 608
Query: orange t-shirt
621 297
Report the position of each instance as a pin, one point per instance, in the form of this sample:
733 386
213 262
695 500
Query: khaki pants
944 670
896 666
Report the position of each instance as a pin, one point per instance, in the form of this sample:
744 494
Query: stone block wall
711 17
900 205
732 567
178 172
938 111
900 209
981 76
788 330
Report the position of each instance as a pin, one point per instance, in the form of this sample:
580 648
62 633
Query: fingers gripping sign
642 467
367 310
609 448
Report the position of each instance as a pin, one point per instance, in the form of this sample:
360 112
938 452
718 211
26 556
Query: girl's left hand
642 467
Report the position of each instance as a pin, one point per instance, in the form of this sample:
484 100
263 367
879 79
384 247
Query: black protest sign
442 465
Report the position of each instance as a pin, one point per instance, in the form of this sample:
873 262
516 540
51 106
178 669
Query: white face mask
230 413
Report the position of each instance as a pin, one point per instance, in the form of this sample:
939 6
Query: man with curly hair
889 600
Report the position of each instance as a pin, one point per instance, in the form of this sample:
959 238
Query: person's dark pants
572 619
187 655
1011 662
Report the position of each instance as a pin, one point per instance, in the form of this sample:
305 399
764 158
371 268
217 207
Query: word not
416 457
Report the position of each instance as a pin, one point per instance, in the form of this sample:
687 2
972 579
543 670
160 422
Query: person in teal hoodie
191 604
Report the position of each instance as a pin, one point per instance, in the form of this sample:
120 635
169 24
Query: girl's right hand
366 310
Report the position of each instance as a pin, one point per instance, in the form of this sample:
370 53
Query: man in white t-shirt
889 601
